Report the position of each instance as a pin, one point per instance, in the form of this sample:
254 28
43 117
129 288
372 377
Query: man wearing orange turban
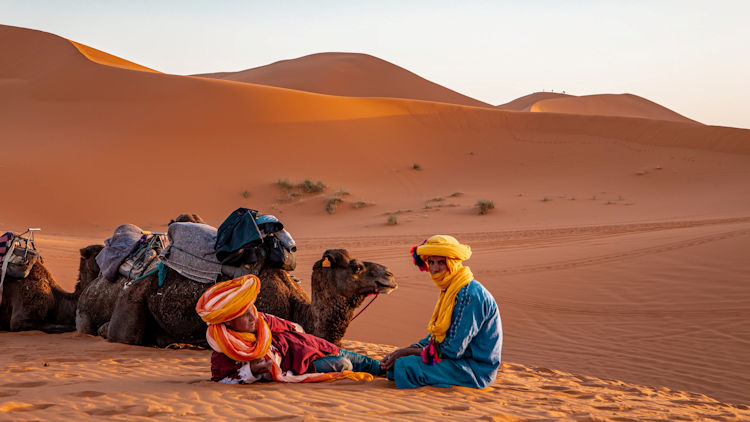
465 333
249 345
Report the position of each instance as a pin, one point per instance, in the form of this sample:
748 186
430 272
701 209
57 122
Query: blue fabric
347 361
471 349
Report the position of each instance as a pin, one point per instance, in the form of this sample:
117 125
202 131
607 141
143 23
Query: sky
689 56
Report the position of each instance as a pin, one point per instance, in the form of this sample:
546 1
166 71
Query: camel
97 301
37 302
145 313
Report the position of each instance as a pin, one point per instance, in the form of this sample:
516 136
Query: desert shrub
455 194
416 166
359 204
307 186
246 193
331 203
392 220
484 206
285 184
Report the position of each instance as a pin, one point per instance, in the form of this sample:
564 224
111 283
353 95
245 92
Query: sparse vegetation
545 199
392 220
285 184
416 166
359 204
331 203
307 186
455 194
484 206
246 194
294 191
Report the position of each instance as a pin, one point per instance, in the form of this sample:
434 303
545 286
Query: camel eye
358 268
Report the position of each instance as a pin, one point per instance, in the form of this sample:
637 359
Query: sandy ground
617 248
67 376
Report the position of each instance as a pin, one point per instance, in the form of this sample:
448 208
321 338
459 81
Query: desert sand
617 249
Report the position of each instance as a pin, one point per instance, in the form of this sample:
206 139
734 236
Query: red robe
297 350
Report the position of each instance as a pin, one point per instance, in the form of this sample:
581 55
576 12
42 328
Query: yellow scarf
449 282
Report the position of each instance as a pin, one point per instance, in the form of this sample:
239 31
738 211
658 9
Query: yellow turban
444 245
228 300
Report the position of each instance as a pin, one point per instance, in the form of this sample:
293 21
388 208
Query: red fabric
298 350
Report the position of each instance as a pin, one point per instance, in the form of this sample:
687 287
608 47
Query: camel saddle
144 259
17 255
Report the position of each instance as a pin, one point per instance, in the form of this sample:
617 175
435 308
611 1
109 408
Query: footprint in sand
458 407
321 404
8 393
277 418
87 394
29 384
109 411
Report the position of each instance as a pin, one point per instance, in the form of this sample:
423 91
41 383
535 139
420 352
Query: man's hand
390 359
260 367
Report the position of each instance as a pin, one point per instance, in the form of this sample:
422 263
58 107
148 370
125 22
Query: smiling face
246 323
437 264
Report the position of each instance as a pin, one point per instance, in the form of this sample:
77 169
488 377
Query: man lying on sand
465 334
250 345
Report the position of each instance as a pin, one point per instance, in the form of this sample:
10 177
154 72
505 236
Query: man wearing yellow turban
249 345
465 333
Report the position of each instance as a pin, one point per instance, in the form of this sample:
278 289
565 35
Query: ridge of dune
107 59
350 75
524 103
623 105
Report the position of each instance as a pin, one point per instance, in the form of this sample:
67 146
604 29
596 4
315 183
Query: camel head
338 274
88 269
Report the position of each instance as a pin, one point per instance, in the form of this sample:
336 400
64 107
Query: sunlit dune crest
524 103
348 74
107 59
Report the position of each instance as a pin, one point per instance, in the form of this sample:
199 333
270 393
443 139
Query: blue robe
470 351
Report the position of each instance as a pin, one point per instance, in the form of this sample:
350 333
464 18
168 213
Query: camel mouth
386 286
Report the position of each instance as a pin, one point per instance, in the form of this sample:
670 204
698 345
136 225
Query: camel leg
128 321
84 324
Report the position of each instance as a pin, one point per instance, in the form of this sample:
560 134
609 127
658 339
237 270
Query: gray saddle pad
191 251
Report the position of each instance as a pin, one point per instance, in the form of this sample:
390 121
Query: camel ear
327 261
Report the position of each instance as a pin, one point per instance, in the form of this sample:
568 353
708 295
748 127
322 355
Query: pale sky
690 56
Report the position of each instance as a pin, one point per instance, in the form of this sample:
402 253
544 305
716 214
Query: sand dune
625 105
615 249
524 103
347 74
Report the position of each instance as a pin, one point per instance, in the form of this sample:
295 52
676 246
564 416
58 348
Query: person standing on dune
465 332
